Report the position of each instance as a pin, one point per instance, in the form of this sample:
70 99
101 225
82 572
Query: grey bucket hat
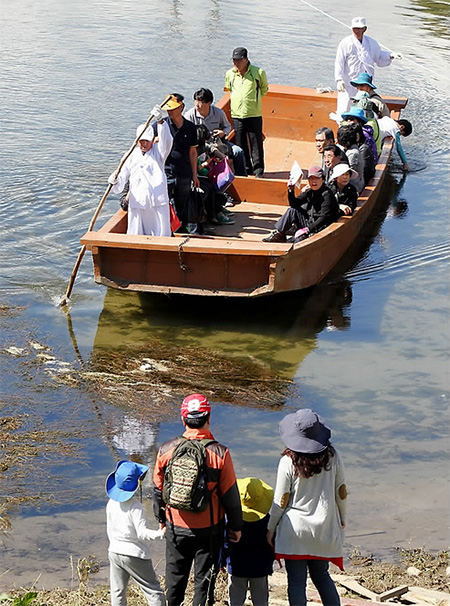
304 431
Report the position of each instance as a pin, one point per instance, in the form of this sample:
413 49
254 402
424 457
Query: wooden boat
236 262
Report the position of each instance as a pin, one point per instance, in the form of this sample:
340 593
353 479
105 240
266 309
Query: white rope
382 45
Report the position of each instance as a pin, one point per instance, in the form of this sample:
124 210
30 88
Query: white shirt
311 524
354 57
145 172
127 529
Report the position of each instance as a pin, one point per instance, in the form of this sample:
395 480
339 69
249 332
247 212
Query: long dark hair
306 465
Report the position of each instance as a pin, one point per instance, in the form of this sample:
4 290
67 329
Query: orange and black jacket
221 481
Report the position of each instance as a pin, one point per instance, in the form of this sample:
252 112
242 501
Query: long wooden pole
76 267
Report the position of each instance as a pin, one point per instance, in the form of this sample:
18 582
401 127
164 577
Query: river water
367 350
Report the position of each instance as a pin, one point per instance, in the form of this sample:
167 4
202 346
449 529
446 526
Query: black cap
240 53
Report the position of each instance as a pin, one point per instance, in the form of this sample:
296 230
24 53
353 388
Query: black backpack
185 483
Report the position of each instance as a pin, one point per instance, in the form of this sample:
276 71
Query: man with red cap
196 536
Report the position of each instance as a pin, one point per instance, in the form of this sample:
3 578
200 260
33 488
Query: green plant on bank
20 600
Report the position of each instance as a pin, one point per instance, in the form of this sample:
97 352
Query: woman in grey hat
307 516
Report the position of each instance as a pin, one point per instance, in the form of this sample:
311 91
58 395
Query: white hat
147 135
341 169
359 22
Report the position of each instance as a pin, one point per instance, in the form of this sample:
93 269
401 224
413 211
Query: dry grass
160 373
381 576
376 576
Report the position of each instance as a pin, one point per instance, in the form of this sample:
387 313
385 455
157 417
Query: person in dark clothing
181 164
250 561
345 192
310 212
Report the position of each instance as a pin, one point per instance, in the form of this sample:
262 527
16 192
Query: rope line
382 45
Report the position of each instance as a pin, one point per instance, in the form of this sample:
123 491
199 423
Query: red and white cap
195 406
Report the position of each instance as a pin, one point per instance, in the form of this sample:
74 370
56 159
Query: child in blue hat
128 534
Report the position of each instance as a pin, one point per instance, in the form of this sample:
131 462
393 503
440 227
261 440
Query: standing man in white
355 54
148 205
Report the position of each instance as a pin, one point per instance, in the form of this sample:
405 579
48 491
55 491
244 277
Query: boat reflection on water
277 333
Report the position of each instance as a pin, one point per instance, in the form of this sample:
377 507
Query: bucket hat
195 406
342 168
147 135
122 483
363 78
304 431
359 22
355 112
256 498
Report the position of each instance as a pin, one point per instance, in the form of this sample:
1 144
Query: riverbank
419 577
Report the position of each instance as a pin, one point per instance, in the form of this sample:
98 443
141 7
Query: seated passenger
323 136
332 155
212 200
357 115
396 128
345 192
364 83
365 151
218 126
362 100
347 139
310 212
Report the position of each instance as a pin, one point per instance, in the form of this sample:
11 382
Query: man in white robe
148 201
355 54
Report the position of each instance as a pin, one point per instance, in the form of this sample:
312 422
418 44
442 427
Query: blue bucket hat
122 483
363 78
355 112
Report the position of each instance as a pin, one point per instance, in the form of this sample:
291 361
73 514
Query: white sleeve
122 178
165 140
283 487
379 57
340 62
143 532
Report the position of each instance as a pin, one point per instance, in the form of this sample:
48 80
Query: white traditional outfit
352 58
148 204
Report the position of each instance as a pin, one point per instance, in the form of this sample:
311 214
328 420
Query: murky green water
367 350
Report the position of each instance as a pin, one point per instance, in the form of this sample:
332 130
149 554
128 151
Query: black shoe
275 236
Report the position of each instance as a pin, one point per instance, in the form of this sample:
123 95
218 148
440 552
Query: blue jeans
318 571
240 168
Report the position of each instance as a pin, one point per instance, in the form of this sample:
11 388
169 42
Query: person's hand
343 525
345 209
195 181
340 86
234 536
271 538
218 133
158 534
157 113
112 179
398 56
406 167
